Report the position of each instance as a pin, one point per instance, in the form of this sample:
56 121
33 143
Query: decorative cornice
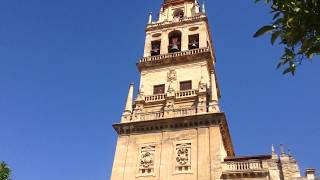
175 2
176 58
183 21
186 122
245 158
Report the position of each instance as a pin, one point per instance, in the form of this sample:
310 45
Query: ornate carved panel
146 160
183 157
172 75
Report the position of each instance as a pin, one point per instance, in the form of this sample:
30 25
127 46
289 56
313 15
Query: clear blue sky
65 67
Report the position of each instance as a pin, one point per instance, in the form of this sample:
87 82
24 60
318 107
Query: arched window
178 14
174 41
155 47
194 41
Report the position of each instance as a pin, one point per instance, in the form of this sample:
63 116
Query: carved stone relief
146 160
171 78
183 157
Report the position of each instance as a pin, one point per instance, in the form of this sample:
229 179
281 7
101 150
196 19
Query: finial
282 149
150 17
273 149
273 154
129 102
141 89
289 153
203 9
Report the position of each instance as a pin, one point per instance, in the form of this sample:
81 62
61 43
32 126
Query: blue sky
65 68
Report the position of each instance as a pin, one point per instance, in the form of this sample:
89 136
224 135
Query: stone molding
175 2
173 124
167 24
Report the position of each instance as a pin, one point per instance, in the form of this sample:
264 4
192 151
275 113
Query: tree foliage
4 171
296 25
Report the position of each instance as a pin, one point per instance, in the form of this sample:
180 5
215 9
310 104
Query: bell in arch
194 44
175 43
175 48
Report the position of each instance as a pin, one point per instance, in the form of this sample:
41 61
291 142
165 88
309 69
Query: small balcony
186 94
179 95
155 98
245 167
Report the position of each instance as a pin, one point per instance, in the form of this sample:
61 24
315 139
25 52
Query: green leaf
275 36
279 65
263 30
276 15
305 46
291 69
286 71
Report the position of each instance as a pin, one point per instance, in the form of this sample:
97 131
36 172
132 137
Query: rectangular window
159 89
194 41
155 48
185 85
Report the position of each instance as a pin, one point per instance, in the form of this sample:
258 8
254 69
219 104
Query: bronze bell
194 44
175 48
155 50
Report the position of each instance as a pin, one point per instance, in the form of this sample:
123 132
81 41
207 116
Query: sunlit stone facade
173 128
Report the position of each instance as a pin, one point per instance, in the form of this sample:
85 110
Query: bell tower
173 128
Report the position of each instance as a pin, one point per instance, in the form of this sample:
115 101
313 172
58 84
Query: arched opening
174 41
155 47
194 41
178 14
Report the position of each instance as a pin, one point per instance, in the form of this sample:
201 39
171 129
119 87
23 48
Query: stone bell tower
174 129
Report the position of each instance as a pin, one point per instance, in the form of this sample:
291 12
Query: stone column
147 46
203 36
214 101
185 40
164 43
128 110
202 97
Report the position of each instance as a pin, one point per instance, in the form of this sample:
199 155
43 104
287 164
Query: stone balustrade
243 165
248 167
187 93
177 54
155 98
179 95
